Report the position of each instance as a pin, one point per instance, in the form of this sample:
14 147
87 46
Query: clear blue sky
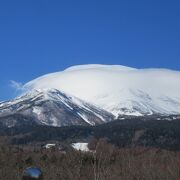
42 36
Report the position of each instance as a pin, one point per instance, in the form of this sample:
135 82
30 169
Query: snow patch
81 146
37 110
49 146
86 119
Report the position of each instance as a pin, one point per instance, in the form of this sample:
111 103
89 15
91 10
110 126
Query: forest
104 162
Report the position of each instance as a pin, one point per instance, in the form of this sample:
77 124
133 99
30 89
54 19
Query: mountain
93 95
50 107
117 89
145 131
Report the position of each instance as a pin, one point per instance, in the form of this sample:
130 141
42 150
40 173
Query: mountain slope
52 108
139 131
118 89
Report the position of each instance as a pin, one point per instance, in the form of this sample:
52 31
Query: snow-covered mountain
94 94
117 89
52 108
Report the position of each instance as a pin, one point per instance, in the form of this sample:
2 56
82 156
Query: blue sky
42 36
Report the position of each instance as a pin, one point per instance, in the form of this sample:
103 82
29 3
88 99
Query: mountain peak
51 107
117 89
94 94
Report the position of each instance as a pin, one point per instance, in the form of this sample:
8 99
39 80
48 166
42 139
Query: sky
42 36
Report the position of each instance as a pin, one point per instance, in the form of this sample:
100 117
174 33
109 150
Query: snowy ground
81 146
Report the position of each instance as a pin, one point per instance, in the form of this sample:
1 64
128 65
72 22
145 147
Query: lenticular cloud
117 89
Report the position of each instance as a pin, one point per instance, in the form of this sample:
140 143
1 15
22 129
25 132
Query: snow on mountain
51 107
117 89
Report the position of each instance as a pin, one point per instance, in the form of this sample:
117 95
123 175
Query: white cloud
16 85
